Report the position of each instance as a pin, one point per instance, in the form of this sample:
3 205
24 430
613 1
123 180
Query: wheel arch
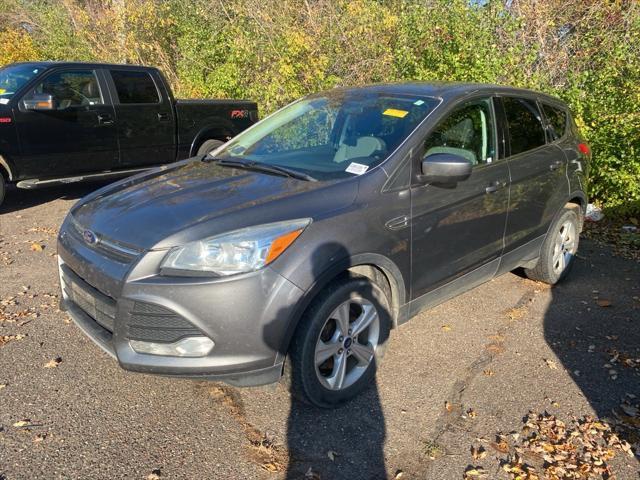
5 169
220 132
370 265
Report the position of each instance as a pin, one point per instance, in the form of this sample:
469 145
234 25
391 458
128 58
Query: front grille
154 323
109 248
98 306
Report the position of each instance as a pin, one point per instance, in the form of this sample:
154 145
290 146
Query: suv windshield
332 135
14 77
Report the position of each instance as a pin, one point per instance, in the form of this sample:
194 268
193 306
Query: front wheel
558 249
339 342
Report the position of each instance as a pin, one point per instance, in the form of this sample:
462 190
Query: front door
77 136
459 230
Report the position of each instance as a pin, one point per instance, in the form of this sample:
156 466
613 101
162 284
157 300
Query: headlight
243 250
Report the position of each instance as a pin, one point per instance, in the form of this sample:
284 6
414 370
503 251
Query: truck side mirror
445 168
39 102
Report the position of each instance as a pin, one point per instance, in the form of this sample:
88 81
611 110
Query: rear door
145 117
538 172
78 136
459 229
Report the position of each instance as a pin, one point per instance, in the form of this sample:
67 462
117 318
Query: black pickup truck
69 122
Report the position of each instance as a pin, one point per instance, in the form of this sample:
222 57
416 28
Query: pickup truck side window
525 124
70 88
467 131
135 87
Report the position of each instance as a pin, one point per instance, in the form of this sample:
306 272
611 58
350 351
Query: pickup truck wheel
209 146
558 249
3 188
339 343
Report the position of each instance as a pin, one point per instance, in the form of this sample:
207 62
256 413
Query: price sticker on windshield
357 168
393 112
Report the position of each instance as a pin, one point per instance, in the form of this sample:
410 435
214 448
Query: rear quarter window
526 131
135 87
557 119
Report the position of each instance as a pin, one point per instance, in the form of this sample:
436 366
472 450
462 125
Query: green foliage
584 51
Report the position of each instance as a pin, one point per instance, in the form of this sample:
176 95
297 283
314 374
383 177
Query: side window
70 88
525 124
467 132
557 119
135 87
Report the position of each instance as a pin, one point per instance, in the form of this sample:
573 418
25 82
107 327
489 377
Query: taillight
5 120
584 148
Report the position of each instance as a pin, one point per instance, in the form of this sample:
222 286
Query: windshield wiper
261 167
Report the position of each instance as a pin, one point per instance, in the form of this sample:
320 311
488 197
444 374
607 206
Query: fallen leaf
53 363
551 364
471 412
478 453
446 328
488 372
22 423
155 474
474 472
36 247
604 303
332 455
311 475
2 385
399 475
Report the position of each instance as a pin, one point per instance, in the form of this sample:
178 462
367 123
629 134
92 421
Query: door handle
163 116
105 119
555 165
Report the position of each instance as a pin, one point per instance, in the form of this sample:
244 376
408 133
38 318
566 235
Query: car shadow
342 443
17 199
593 326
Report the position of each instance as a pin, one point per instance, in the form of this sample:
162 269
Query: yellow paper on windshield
2 90
392 112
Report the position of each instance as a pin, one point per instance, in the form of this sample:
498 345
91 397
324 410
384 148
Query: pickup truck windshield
333 135
14 77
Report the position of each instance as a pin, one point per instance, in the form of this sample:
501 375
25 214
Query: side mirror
445 168
39 102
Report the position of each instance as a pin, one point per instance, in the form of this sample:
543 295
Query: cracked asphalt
453 377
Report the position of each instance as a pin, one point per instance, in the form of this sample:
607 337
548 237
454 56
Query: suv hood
171 206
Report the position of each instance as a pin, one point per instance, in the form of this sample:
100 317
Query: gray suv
298 245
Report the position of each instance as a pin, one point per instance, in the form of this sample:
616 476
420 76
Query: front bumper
246 316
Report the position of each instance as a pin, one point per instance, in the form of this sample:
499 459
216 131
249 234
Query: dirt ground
453 395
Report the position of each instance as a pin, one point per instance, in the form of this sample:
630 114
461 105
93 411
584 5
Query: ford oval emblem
89 237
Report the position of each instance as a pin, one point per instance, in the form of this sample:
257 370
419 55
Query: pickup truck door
145 117
77 136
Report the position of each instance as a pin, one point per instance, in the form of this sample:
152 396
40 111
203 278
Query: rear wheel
209 146
558 249
339 343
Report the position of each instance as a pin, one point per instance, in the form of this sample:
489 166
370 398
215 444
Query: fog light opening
187 347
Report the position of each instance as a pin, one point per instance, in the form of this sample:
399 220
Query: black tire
3 188
548 269
302 374
209 146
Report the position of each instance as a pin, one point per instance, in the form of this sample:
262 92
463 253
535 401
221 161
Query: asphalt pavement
454 379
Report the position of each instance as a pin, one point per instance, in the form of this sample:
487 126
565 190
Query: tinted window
467 132
525 126
557 119
70 88
135 87
15 77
